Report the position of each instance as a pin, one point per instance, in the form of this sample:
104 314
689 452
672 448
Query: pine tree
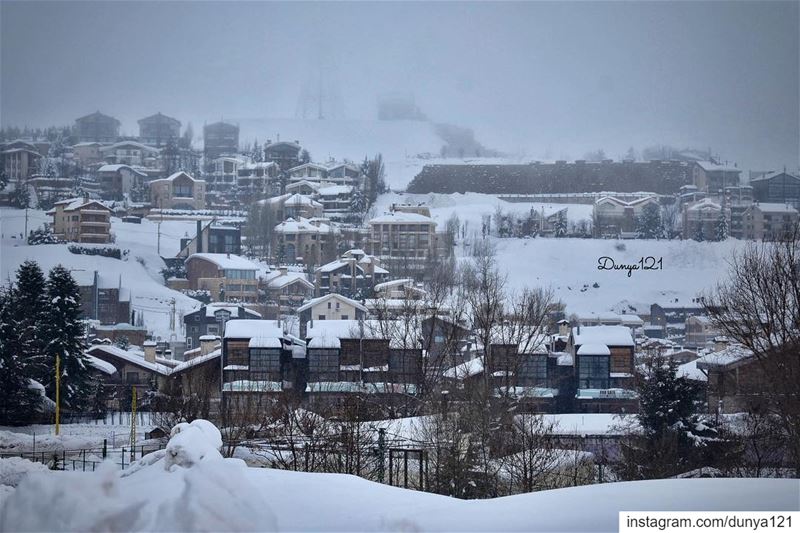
699 234
30 299
648 225
722 227
19 402
63 334
561 224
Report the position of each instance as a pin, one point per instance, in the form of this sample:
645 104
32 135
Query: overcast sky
534 76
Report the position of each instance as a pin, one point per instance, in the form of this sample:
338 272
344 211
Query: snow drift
191 487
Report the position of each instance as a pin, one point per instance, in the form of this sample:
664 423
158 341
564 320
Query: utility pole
172 315
26 224
133 422
160 220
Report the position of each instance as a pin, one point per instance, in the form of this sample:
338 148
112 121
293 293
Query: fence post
381 453
123 458
105 448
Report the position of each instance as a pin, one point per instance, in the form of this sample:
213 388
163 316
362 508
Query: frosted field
569 267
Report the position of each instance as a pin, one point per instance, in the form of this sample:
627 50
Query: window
189 342
329 305
265 363
321 317
132 377
323 364
593 372
533 370
345 317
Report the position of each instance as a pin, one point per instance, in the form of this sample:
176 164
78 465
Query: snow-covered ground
570 268
139 272
190 487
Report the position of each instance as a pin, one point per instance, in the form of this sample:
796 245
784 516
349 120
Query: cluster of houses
342 351
717 205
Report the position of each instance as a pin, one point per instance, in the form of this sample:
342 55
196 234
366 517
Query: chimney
563 328
208 344
199 239
283 270
150 351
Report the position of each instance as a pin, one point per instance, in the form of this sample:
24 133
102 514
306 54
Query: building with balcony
220 138
284 153
20 163
404 239
229 278
309 241
97 127
131 153
81 220
158 129
179 191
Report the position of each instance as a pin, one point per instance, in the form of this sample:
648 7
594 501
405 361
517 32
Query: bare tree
759 307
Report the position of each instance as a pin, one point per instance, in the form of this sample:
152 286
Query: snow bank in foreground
187 487
198 490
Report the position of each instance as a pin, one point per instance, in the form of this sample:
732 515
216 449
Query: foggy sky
535 77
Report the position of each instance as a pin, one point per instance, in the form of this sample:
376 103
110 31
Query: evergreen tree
561 224
30 299
722 227
20 197
19 402
648 225
358 205
63 334
699 234
305 157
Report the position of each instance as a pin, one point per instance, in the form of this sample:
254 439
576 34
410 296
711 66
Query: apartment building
81 220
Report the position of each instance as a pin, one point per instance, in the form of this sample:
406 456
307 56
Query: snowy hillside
139 273
191 487
570 267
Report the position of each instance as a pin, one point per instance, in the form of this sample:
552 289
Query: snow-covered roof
470 368
265 342
730 355
393 283
593 349
308 165
334 265
132 355
301 199
766 207
114 168
332 296
705 203
135 144
325 341
710 166
297 184
172 177
343 329
608 335
226 261
101 365
247 329
631 320
334 190
774 174
232 309
185 365
280 280
401 217
624 203
78 203
303 225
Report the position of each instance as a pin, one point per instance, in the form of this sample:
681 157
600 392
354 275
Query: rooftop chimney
208 344
150 351
283 270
